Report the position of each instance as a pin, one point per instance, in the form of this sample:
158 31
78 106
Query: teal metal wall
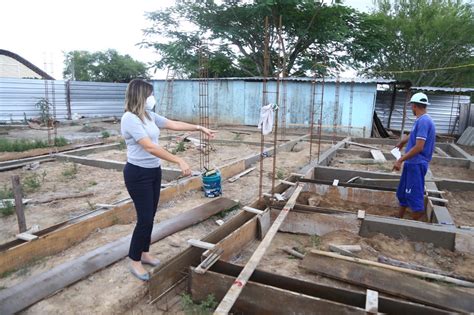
238 101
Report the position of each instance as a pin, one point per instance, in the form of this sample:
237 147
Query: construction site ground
114 290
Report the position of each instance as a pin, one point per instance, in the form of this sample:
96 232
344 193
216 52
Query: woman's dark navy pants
143 185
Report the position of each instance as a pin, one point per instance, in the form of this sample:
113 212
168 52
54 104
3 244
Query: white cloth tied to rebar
266 118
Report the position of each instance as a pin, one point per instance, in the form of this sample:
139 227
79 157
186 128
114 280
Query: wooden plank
26 237
200 244
236 177
238 239
20 213
35 288
372 301
390 282
167 274
318 289
236 288
255 297
61 239
378 156
418 273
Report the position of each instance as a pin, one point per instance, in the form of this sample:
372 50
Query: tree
312 32
108 66
418 35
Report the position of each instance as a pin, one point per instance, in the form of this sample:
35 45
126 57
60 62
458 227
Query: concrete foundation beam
331 173
440 236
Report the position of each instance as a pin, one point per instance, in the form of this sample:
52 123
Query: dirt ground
114 290
53 179
460 207
452 172
333 203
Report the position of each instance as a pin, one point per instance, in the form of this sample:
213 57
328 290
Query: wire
428 70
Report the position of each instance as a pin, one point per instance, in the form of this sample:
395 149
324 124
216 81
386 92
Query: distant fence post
19 203
68 99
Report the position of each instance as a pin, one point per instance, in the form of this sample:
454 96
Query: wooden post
20 214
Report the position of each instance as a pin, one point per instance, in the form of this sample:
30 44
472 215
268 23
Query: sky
42 30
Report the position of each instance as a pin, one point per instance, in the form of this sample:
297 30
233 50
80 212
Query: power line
427 70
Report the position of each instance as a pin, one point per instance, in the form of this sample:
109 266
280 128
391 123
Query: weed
206 306
238 136
70 172
105 134
32 182
180 147
93 183
60 142
122 145
43 106
8 208
6 192
315 240
91 205
280 174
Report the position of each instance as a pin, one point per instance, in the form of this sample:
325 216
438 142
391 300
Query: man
421 144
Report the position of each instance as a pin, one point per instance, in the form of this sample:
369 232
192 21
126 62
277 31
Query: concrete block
440 236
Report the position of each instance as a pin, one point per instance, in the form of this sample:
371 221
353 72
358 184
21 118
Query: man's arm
403 141
420 144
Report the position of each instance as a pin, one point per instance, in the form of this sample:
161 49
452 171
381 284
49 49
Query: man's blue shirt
424 129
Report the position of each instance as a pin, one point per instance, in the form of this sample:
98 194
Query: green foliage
33 181
416 35
122 144
315 241
6 192
8 208
312 32
60 142
107 66
44 106
105 134
20 145
70 172
90 205
206 306
280 173
179 148
93 183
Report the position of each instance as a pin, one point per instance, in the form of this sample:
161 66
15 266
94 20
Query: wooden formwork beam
35 288
229 299
254 299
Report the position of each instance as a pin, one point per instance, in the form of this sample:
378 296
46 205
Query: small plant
179 148
43 106
32 182
8 208
70 172
6 192
122 145
206 306
105 134
238 136
280 174
60 142
93 183
315 241
90 205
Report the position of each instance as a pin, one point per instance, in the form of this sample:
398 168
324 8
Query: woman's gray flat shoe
154 262
143 277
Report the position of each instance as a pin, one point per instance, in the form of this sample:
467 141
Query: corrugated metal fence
444 110
18 98
347 105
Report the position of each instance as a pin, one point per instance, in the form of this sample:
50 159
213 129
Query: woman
140 128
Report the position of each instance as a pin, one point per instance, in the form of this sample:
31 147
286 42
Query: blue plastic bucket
211 185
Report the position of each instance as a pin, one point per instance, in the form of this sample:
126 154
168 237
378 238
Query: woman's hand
209 132
185 169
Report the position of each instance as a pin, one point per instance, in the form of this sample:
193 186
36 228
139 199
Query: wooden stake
20 214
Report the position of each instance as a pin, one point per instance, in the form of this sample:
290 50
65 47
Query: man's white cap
420 98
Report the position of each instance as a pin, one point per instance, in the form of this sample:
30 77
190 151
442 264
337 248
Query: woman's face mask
150 102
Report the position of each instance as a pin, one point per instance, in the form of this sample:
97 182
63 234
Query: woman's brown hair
135 97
